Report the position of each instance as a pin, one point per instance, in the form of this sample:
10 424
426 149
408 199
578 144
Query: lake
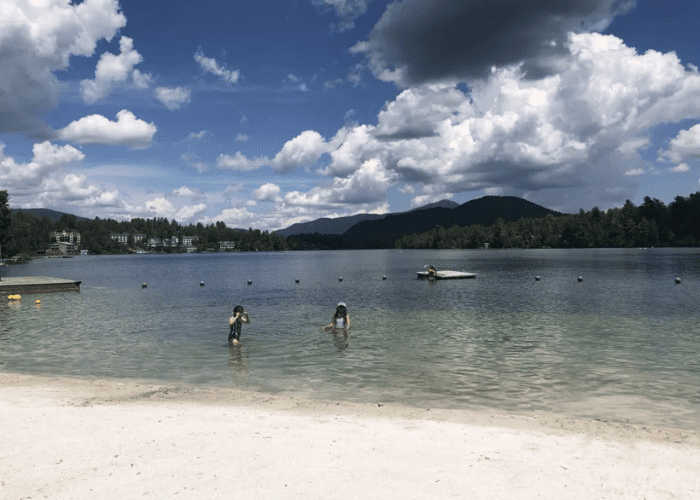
621 345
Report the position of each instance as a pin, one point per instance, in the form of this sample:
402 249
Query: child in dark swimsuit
238 317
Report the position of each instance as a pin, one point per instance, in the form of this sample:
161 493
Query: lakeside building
138 237
64 242
188 241
120 237
154 242
227 245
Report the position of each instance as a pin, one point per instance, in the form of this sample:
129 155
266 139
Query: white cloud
238 161
173 97
45 181
197 136
194 161
209 65
96 129
346 10
267 192
36 40
113 69
241 138
685 146
562 141
365 186
188 192
302 150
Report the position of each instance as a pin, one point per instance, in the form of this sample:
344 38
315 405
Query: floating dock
447 275
36 284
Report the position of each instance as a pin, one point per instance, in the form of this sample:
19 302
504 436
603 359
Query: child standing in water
341 319
236 321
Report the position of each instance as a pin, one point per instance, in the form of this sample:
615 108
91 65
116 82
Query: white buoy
678 281
296 280
384 277
580 279
201 283
250 282
143 285
340 279
537 278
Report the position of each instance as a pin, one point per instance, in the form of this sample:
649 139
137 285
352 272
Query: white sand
63 438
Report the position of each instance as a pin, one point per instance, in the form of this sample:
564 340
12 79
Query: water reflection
237 358
340 338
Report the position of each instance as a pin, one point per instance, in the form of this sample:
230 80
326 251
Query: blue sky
265 113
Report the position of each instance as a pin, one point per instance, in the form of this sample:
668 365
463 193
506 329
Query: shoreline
74 438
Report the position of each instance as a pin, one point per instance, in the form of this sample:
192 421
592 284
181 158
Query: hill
46 212
484 211
339 225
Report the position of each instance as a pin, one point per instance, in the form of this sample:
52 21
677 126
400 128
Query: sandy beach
66 438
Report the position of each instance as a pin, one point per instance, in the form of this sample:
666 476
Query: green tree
5 219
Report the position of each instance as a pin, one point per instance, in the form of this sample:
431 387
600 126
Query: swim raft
447 275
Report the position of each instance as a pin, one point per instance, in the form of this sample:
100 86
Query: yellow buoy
37 301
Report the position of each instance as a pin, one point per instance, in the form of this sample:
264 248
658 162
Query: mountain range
47 212
339 225
372 231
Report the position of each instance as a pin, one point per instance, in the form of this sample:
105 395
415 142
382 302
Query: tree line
24 233
652 224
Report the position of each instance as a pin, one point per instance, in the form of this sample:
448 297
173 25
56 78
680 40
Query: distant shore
70 438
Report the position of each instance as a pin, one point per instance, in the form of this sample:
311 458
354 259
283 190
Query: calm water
622 345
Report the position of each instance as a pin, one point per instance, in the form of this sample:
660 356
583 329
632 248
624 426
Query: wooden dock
447 275
36 284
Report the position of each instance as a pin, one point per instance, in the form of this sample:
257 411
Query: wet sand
65 438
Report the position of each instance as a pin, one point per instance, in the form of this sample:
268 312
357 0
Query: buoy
250 282
340 279
143 285
14 297
580 278
384 277
201 283
678 281
537 278
296 280
37 301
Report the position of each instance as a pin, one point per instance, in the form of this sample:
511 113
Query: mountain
46 212
484 211
339 225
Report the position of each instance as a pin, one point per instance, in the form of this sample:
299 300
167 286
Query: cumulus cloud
46 181
267 192
241 138
302 150
173 97
209 65
684 147
113 69
416 41
38 39
96 129
185 191
566 141
365 186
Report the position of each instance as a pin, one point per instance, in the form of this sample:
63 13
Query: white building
120 237
227 245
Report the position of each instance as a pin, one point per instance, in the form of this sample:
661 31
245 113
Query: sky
266 113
